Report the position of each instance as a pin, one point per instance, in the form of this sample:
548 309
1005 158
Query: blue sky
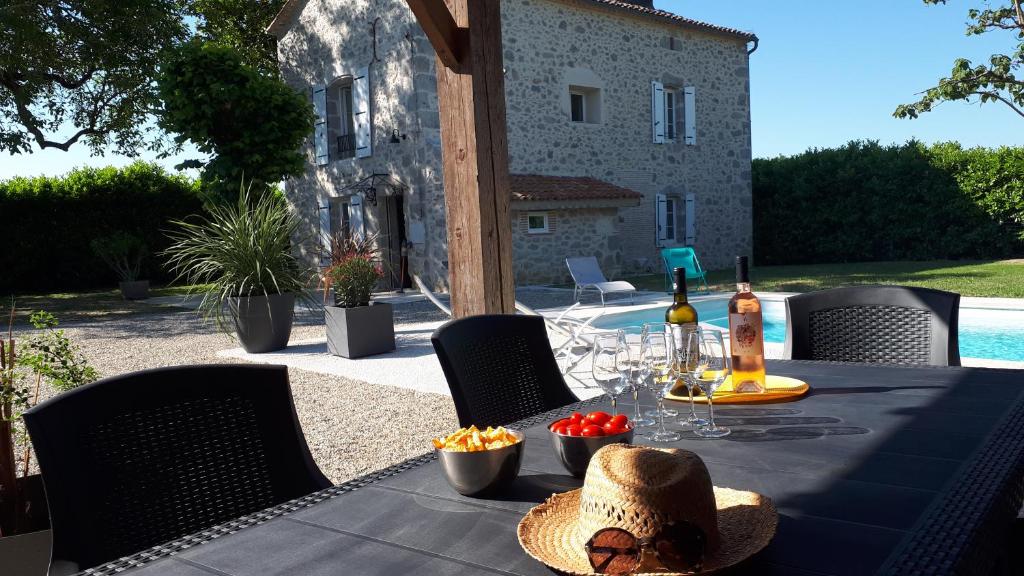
826 72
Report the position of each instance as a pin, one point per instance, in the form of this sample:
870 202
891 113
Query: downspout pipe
753 48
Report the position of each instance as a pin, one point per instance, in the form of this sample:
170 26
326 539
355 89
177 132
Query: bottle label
745 334
680 332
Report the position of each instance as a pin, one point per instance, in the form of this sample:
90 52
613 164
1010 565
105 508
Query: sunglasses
679 546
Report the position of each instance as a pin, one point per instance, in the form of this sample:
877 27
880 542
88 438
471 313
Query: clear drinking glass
658 412
708 365
658 357
680 337
611 367
639 378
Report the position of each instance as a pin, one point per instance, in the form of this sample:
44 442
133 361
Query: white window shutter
661 218
324 213
355 217
658 111
320 124
690 114
691 218
361 119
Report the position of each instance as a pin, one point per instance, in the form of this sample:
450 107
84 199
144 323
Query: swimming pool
984 333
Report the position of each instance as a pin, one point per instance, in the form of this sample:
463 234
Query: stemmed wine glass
611 364
708 365
639 379
661 327
657 356
683 346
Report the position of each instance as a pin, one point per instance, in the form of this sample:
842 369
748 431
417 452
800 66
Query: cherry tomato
619 420
598 418
557 423
573 430
559 428
576 418
611 429
592 430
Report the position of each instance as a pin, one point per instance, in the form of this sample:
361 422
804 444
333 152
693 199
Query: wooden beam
471 101
439 26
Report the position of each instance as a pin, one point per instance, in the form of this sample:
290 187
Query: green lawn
1004 278
69 306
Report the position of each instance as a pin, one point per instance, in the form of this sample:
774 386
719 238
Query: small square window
577 106
537 223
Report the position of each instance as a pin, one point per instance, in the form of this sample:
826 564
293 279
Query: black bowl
483 472
574 452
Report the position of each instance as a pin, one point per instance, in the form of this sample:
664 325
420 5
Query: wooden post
466 34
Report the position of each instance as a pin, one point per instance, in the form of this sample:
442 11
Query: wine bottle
746 334
681 313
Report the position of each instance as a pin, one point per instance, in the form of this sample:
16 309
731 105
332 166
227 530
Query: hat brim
746 523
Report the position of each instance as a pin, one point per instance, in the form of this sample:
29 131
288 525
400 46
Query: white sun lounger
586 273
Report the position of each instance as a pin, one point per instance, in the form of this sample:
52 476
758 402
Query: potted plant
239 256
47 357
124 253
356 326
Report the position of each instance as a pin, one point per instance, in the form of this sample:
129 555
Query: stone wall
547 42
540 258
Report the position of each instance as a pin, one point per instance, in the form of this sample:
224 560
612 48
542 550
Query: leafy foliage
252 125
240 25
50 222
87 63
865 202
352 272
123 252
238 250
995 81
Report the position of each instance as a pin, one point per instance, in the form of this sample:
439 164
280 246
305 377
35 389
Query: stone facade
550 47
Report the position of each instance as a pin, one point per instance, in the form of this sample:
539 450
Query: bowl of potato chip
478 462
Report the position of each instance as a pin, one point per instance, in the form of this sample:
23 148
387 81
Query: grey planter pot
360 331
263 323
135 290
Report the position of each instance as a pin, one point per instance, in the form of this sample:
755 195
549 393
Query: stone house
628 131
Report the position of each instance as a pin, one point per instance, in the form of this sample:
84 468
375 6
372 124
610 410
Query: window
670 219
670 114
585 104
341 129
537 223
666 208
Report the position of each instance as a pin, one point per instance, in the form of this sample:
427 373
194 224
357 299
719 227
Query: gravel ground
352 427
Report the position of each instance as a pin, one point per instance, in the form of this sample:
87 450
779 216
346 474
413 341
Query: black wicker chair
500 368
874 324
133 461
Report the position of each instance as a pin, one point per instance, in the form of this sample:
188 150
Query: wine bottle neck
743 286
679 298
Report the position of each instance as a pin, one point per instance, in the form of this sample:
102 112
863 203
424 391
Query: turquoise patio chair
683 257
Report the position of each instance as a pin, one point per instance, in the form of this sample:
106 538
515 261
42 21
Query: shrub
352 273
49 223
123 252
866 202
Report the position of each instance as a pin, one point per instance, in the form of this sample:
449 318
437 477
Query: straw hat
638 489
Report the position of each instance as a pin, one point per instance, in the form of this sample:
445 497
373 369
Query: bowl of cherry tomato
576 438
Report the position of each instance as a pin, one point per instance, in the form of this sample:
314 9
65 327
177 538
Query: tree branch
1002 99
71 84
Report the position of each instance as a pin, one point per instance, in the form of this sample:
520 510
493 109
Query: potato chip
473 439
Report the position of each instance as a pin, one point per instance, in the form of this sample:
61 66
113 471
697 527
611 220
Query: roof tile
534 187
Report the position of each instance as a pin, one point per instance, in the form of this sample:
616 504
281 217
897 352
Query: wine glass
708 365
663 411
611 364
657 356
639 379
680 338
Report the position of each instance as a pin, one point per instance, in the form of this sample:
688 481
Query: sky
825 72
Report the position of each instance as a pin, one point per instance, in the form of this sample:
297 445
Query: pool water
984 333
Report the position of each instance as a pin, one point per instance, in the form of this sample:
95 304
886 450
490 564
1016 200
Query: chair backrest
133 461
500 368
874 324
585 270
681 258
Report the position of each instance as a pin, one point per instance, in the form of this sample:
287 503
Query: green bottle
681 314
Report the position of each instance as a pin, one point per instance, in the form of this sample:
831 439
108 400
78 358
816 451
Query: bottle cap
679 280
742 272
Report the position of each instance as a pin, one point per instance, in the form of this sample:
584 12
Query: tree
992 82
88 64
240 24
251 124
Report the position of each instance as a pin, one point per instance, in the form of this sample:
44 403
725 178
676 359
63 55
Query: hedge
865 202
48 223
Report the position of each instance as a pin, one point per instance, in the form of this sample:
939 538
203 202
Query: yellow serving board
780 389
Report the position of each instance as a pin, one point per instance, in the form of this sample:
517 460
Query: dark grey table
879 470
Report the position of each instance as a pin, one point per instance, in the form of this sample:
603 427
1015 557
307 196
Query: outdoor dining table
879 470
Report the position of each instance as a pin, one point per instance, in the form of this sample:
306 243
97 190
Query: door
391 241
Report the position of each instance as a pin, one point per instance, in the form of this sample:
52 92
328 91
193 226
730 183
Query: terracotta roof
671 17
532 187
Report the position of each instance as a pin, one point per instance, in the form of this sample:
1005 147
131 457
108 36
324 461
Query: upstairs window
585 104
576 106
670 114
341 128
